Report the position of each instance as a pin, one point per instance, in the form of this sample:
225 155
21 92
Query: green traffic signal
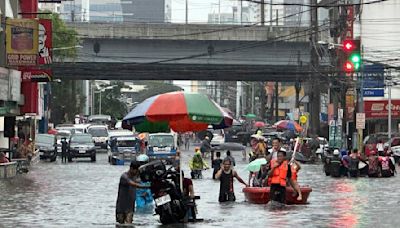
355 58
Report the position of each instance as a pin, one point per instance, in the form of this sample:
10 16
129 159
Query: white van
100 135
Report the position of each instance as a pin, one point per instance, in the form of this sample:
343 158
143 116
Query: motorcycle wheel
166 216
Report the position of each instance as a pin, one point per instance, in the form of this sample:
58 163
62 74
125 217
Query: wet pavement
83 194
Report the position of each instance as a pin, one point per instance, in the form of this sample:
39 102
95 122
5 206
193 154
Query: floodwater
83 194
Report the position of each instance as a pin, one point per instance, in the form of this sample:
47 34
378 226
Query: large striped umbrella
180 111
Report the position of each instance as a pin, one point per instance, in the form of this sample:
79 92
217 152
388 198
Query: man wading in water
128 183
225 176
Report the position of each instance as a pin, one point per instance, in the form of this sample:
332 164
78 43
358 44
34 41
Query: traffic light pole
389 85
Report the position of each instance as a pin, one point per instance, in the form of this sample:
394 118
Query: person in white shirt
380 147
276 146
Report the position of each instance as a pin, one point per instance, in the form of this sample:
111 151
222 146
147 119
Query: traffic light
352 56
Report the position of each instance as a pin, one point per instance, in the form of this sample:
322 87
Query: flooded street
83 194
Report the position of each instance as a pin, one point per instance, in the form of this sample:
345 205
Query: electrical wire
318 5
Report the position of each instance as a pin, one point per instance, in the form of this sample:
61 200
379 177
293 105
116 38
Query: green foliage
66 99
64 38
111 101
153 88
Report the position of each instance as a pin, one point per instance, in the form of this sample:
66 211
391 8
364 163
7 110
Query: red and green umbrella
179 111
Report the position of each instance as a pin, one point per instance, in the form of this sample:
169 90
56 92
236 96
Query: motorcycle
168 198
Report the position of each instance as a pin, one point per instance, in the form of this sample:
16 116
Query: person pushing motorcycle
197 164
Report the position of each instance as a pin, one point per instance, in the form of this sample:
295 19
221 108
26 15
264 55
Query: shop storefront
376 114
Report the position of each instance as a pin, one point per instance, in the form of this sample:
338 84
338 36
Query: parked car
47 146
218 136
81 145
100 135
162 146
232 134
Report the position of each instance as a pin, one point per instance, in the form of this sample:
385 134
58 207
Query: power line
318 6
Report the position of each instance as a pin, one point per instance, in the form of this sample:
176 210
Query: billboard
374 76
45 40
21 42
379 109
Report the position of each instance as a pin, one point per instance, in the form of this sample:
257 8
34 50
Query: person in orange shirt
280 174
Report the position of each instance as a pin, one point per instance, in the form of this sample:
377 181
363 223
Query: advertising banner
36 75
45 41
374 76
21 42
379 109
350 106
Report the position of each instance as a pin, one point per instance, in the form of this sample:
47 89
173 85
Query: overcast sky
199 9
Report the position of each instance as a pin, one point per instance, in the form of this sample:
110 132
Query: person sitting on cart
260 178
197 164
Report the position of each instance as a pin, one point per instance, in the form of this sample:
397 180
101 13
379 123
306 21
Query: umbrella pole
295 148
180 175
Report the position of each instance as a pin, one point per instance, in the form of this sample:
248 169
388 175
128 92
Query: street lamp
100 91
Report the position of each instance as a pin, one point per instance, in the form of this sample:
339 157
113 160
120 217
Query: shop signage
45 41
22 42
379 109
36 75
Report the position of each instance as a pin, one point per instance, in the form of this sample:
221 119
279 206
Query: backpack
335 168
353 164
373 166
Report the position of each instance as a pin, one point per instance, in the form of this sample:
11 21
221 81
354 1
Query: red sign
379 109
45 41
36 75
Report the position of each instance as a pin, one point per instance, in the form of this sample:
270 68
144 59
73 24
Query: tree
66 98
111 100
153 88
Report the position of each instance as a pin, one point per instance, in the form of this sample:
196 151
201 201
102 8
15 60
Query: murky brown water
83 194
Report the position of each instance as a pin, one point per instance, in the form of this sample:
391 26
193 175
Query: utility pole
270 14
186 11
262 12
241 11
389 85
314 93
219 11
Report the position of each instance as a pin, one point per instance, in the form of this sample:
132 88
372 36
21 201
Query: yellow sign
22 42
303 119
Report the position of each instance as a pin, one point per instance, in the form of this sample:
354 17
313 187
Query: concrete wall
148 51
189 32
